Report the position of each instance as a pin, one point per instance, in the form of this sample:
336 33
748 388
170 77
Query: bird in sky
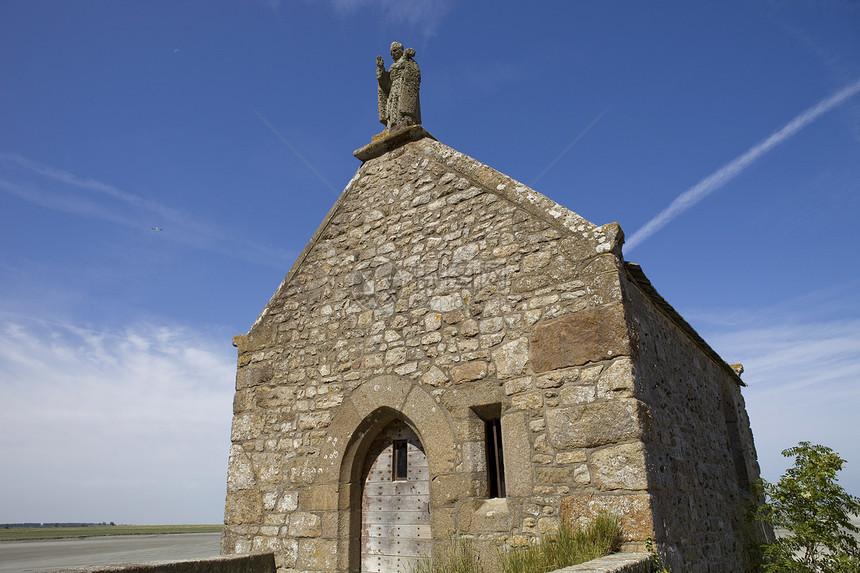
157 229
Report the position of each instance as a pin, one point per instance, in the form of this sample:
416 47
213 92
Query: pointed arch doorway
395 502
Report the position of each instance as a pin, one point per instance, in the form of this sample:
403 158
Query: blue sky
231 126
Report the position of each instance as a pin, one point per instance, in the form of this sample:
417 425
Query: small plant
815 511
657 565
459 558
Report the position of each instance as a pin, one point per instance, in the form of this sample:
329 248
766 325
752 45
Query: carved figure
398 89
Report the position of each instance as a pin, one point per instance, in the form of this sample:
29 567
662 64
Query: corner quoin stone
587 336
594 424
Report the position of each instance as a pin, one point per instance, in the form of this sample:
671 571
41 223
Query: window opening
399 465
495 461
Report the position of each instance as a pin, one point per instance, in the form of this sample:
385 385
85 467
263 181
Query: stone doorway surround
359 421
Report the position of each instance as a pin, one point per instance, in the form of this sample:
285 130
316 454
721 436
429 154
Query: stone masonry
441 293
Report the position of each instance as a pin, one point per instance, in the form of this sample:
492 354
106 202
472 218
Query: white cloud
423 14
125 426
804 380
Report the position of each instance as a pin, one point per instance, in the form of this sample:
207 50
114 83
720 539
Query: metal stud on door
395 502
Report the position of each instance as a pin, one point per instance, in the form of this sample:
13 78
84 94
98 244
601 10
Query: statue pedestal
385 142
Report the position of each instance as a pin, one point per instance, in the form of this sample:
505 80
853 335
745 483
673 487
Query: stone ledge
248 563
615 563
389 141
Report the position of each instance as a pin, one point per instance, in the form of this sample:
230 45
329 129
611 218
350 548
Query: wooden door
395 503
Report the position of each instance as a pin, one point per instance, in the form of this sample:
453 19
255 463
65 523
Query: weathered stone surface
450 488
571 457
240 473
633 509
246 426
320 498
253 375
434 377
587 336
518 385
469 372
435 431
387 391
442 521
620 467
304 524
511 358
477 393
515 436
578 395
528 401
616 381
317 554
485 516
288 502
594 424
243 507
549 475
581 475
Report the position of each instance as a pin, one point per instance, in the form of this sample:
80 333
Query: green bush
813 508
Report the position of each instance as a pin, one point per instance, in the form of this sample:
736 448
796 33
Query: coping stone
615 563
387 141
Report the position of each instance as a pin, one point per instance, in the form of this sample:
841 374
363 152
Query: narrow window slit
399 466
495 461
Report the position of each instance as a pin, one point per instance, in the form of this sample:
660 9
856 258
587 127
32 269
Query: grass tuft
567 547
459 558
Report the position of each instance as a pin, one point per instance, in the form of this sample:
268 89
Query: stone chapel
455 354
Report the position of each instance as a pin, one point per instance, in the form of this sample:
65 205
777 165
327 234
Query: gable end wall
436 290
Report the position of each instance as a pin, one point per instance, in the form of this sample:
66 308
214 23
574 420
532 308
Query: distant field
22 533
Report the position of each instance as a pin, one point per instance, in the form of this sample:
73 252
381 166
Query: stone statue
398 89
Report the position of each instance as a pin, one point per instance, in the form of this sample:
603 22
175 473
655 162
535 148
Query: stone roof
634 271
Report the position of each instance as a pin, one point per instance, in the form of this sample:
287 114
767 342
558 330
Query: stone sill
615 563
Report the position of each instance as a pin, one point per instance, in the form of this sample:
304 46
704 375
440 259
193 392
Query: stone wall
698 447
255 563
441 292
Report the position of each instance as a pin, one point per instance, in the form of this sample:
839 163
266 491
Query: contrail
566 149
132 211
294 150
726 173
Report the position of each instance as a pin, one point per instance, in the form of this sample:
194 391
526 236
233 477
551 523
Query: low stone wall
253 563
616 563
265 563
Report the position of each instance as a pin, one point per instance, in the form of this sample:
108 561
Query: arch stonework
370 407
